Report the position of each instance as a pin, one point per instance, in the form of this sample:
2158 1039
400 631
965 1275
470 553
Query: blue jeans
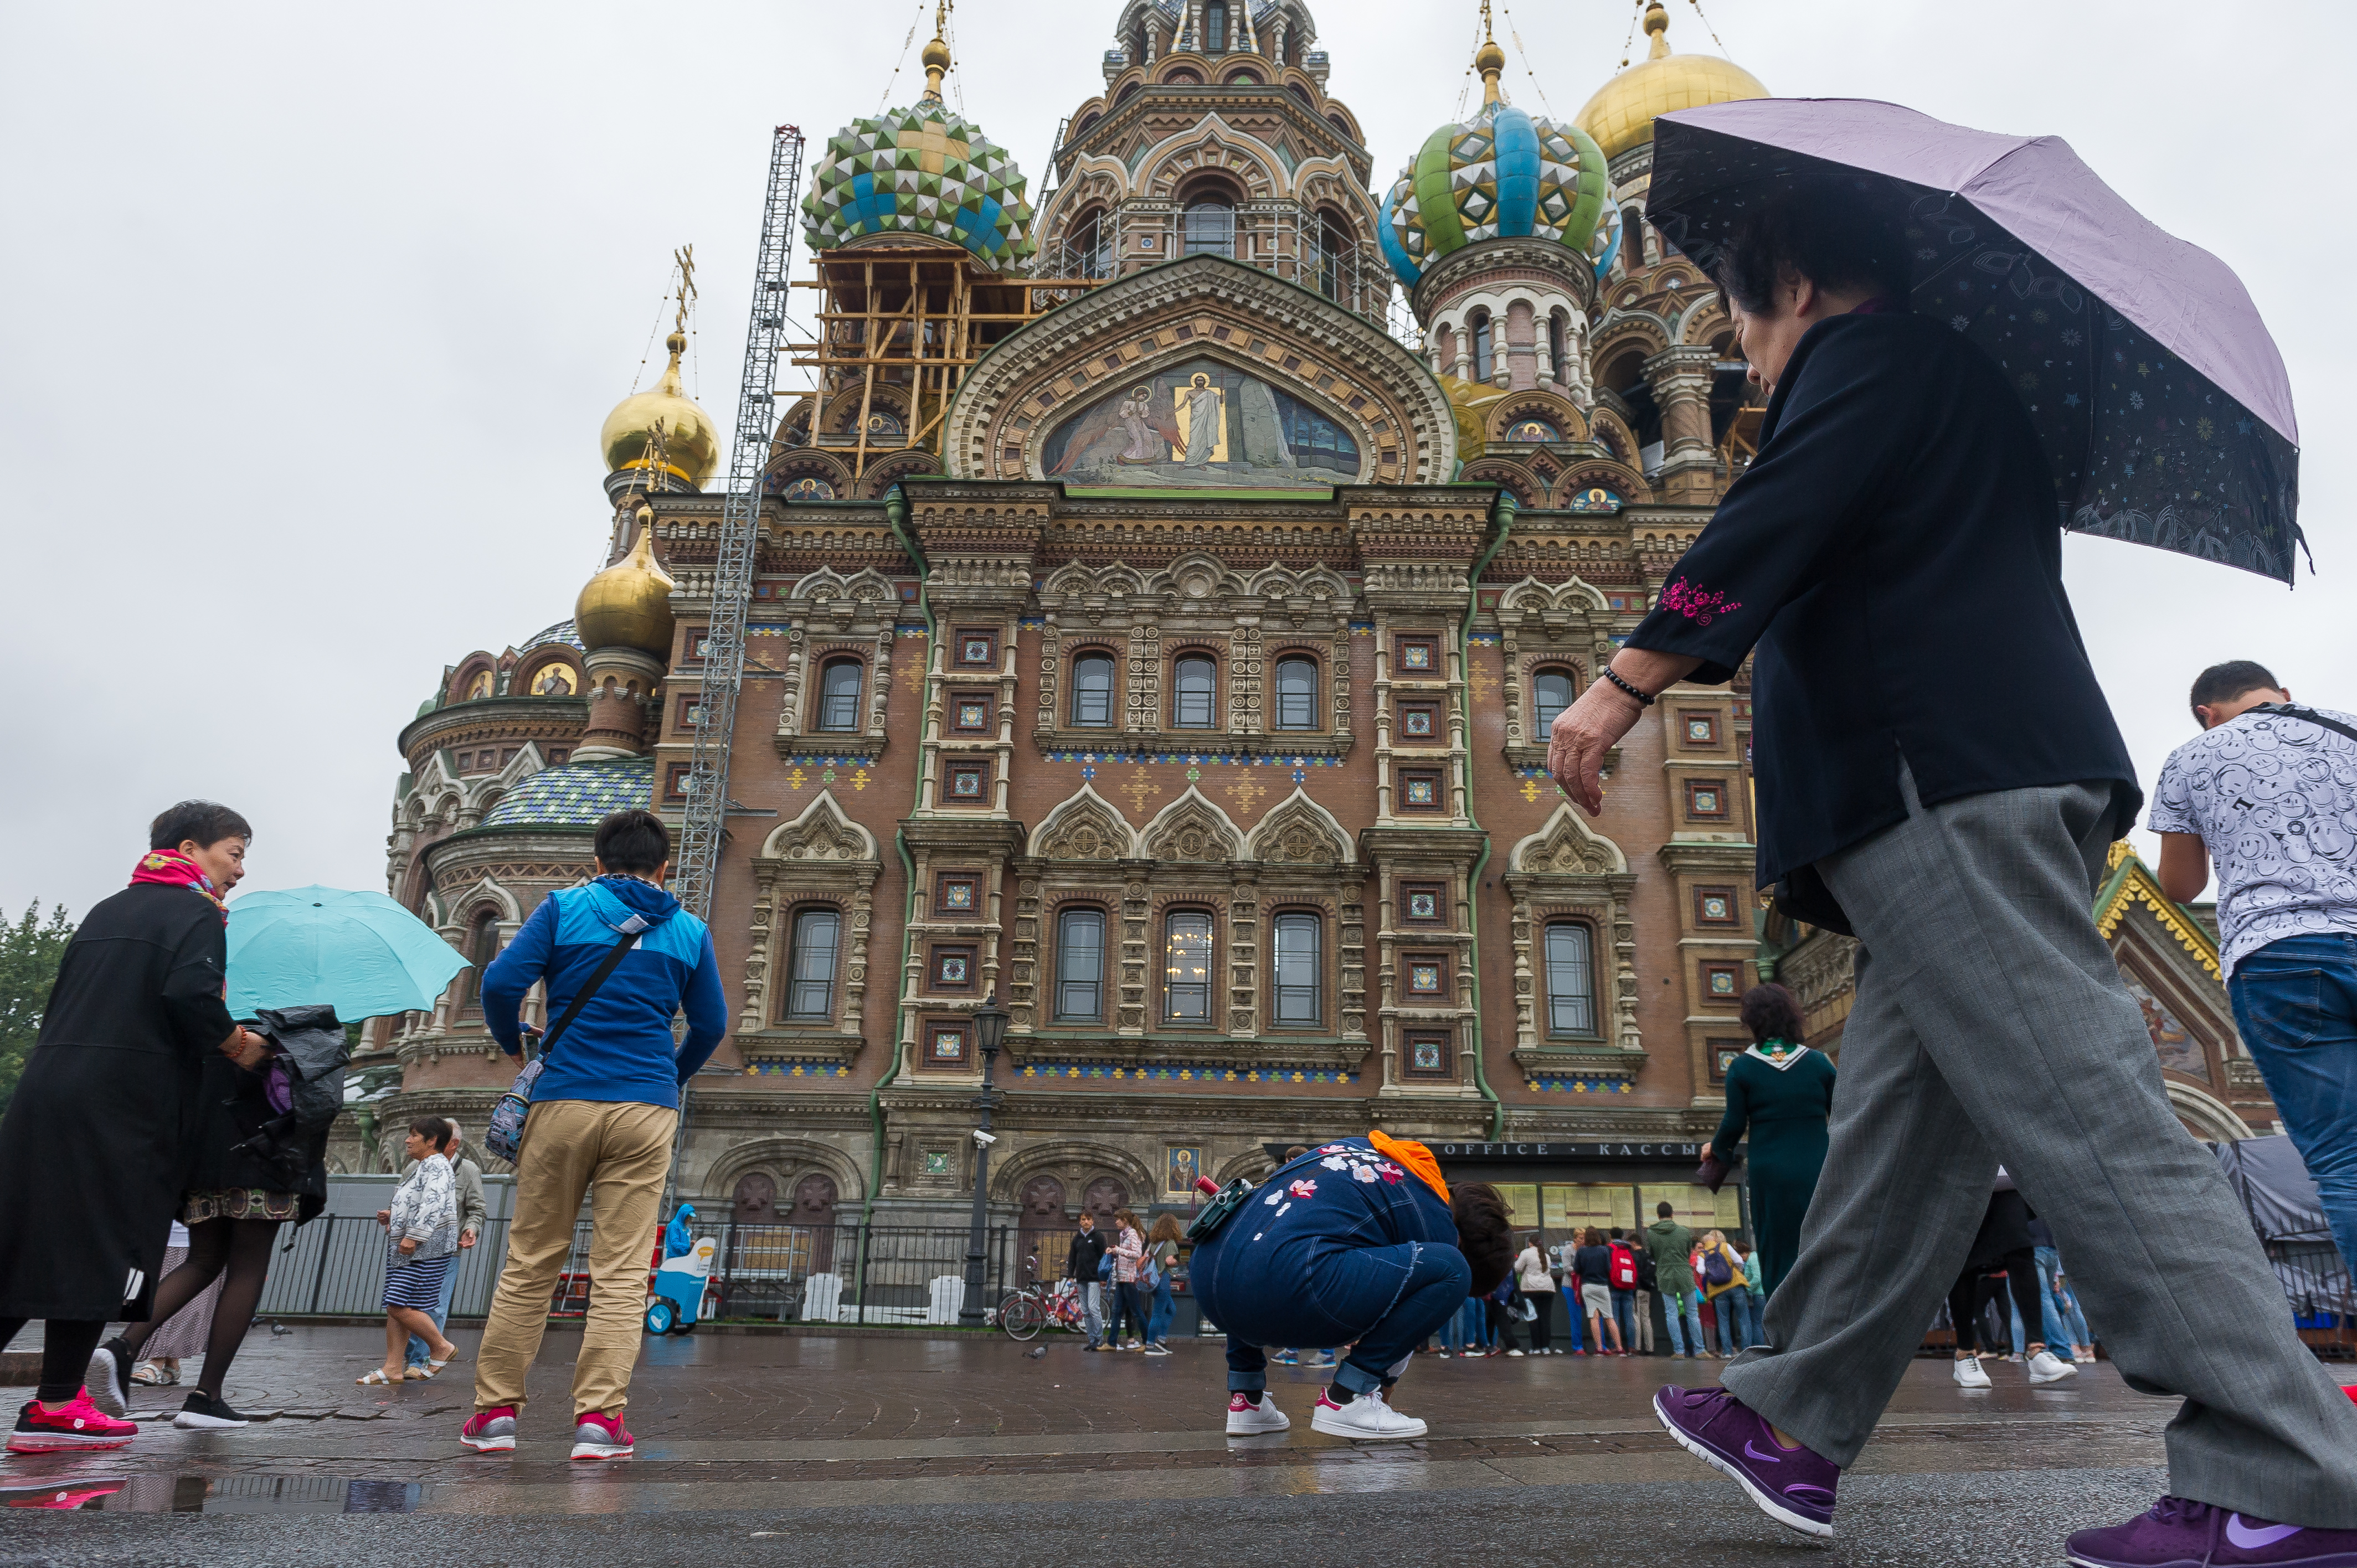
1389 1298
1728 1307
1674 1303
1092 1310
1753 1305
1473 1325
1157 1317
417 1355
2296 1004
1624 1313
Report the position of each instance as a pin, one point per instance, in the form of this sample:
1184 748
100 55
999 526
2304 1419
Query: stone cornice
1516 257
520 718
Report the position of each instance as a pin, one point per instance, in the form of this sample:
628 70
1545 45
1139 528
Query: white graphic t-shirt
2275 798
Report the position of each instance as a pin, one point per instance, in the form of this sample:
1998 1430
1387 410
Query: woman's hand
409 1243
245 1047
384 1217
466 1240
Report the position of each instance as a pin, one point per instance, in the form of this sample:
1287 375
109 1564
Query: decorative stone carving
1566 845
1191 828
1085 826
1298 832
822 854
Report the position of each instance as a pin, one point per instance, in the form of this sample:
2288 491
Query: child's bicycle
1027 1311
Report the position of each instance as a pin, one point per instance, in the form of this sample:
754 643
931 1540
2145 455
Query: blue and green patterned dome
1503 174
919 170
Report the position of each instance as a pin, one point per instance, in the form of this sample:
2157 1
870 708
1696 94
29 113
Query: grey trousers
1991 1026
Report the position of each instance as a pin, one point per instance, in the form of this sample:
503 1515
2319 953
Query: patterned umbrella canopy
2162 400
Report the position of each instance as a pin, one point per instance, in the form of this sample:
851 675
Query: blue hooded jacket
619 1049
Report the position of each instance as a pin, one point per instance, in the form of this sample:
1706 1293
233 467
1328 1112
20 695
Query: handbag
503 1137
1713 1172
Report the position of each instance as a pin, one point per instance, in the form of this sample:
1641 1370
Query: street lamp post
989 1029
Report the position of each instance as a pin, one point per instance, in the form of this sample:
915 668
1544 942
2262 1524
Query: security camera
983 1140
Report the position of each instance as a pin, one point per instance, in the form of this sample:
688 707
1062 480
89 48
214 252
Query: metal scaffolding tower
698 868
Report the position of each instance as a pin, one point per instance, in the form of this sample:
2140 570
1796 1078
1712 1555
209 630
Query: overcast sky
318 309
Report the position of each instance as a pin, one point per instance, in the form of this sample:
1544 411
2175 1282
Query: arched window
1484 358
1559 344
838 700
1333 257
1570 980
1079 966
1092 247
1632 239
1296 693
1215 27
482 946
809 971
1295 961
1210 229
1550 694
1187 967
1194 689
1093 690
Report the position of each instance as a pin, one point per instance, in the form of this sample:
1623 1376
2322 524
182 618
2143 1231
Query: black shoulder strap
2294 711
633 929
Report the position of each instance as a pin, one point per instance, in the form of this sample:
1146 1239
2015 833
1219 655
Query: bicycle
1037 1306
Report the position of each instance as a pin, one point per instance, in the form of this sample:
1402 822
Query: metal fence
847 1273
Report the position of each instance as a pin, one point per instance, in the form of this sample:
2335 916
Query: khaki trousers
618 1152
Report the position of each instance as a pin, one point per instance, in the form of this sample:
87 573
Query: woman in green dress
1781 1093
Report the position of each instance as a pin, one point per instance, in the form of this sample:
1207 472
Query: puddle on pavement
223 1495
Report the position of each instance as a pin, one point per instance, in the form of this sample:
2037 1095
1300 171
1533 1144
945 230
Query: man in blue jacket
603 1114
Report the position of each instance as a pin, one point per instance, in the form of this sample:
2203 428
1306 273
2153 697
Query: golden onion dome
691 446
627 605
1621 115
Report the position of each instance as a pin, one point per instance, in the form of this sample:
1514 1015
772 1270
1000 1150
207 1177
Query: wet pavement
887 1450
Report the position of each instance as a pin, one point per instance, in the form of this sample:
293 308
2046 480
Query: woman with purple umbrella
1938 775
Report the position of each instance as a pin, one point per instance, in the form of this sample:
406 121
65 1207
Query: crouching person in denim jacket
1357 1243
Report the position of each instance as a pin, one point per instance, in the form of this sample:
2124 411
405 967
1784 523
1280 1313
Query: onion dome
691 446
1621 115
627 605
919 170
1503 174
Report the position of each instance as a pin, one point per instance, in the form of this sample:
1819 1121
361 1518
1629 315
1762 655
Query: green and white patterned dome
919 170
1502 173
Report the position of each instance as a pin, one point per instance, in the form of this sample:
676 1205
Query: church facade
1161 601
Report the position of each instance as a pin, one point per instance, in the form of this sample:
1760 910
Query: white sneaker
1363 1418
1246 1419
1969 1374
2046 1367
1513 1352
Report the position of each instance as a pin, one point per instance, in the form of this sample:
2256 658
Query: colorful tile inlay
797 1069
1193 759
1183 1073
1581 1085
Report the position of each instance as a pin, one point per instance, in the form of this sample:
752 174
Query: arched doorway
813 1216
1104 1198
756 1200
1043 1232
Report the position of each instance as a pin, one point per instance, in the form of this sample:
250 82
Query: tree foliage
29 952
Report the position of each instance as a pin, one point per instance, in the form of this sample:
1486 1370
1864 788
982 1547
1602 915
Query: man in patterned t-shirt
2269 791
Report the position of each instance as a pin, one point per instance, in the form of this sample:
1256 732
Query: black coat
1895 554
1087 1249
244 1141
96 1143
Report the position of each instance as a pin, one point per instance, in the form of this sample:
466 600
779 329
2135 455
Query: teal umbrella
361 954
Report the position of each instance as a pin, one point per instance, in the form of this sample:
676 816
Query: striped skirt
417 1281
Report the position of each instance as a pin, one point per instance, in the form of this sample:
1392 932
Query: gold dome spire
1488 60
1621 115
664 428
936 55
627 605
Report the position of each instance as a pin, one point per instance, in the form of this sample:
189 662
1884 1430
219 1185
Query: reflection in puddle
224 1494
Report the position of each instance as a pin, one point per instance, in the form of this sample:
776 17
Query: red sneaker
491 1431
75 1424
601 1436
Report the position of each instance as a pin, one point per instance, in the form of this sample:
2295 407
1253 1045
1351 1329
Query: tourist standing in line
1720 1279
1781 1093
1755 1293
1538 1288
1592 1267
467 1177
2268 790
603 1115
1948 796
1081 1262
1129 1250
1671 1246
421 1249
1634 1283
96 1137
1161 1257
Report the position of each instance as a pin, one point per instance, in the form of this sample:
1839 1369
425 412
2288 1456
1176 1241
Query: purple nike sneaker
2180 1533
1792 1486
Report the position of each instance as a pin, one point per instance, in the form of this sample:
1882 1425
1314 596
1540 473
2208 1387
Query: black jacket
98 1136
1088 1251
1895 555
244 1141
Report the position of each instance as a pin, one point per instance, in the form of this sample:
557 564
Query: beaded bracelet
1643 700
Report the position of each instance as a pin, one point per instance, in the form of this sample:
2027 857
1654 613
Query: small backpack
1624 1268
1648 1277
1714 1270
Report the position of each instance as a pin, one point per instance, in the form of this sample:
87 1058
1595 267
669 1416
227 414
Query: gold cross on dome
686 256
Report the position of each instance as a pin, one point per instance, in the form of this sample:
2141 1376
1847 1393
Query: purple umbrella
2162 401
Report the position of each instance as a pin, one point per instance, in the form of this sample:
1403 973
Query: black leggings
1501 1323
242 1246
66 1346
1975 1288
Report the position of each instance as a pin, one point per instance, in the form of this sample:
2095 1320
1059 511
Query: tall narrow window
1215 27
1187 968
1193 689
1550 694
1558 344
1484 356
1333 250
1210 229
838 700
1571 981
1092 246
1296 693
1093 690
1300 991
810 974
482 946
1079 966
1632 239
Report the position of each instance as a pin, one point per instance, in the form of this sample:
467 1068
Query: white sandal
375 1379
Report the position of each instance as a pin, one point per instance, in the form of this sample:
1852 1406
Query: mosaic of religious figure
557 681
1203 425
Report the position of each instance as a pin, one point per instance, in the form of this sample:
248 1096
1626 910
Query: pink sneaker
75 1424
491 1431
601 1436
